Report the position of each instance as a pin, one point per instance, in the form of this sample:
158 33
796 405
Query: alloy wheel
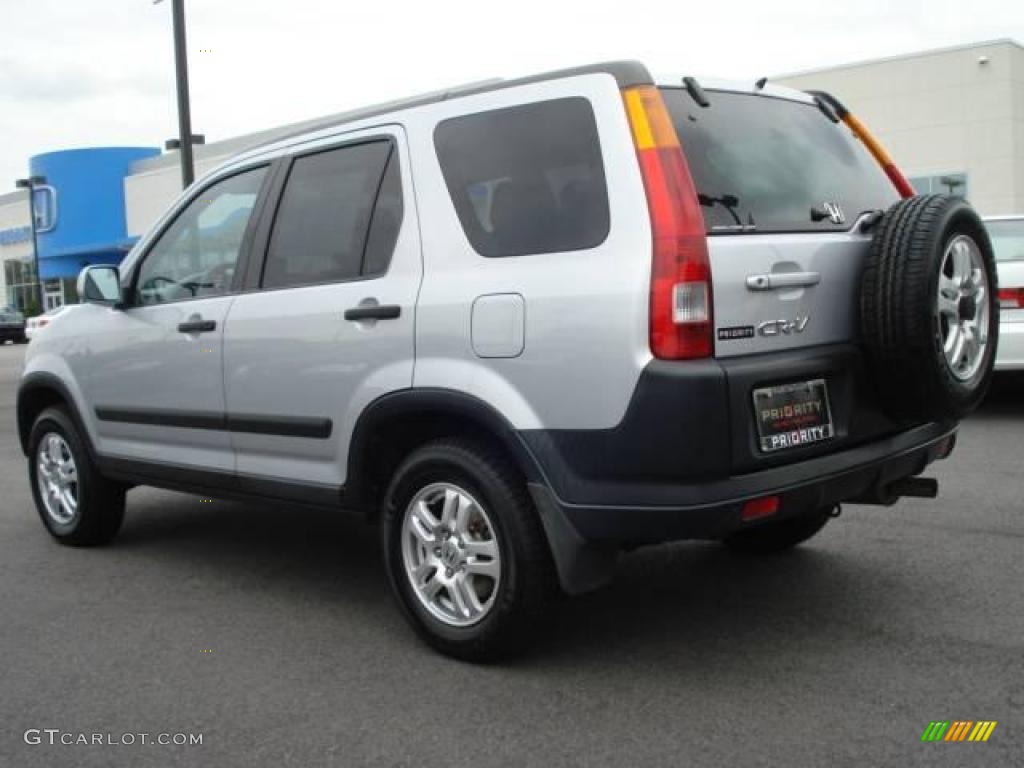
57 478
963 306
451 554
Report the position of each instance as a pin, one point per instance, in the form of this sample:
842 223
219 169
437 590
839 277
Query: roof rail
626 73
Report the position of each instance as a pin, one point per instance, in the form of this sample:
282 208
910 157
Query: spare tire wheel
928 308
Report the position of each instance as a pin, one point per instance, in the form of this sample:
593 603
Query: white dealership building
953 119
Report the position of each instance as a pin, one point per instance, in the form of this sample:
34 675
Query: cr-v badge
786 327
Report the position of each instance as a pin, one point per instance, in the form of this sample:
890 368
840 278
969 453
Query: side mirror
100 284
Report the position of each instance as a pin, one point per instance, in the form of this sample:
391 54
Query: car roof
626 74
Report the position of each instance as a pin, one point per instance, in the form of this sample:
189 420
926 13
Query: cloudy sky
100 72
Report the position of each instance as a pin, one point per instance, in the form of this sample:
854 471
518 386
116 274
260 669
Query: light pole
185 137
30 184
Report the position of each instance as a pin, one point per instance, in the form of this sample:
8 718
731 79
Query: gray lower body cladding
860 474
686 455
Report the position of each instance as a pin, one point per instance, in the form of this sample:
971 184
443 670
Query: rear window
526 179
761 164
1007 239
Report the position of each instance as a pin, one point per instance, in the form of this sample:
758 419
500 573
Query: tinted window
320 233
761 163
196 256
1007 239
526 179
386 221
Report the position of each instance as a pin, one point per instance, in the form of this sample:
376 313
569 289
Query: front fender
51 374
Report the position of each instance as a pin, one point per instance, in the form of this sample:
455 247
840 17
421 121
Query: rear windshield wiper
826 109
729 202
696 92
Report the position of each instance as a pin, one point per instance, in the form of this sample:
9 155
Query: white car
35 324
1007 233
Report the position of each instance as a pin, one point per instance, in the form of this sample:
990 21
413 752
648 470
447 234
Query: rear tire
778 537
78 506
929 309
465 552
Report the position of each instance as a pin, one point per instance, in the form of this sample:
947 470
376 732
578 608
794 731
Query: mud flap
582 566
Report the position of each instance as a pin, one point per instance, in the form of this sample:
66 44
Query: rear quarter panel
586 336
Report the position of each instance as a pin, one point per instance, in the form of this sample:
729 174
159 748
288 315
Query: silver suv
525 326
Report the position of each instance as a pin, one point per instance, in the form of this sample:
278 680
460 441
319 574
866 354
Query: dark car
12 326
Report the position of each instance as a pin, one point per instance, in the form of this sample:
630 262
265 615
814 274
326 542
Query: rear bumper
712 510
688 437
1010 353
585 538
685 457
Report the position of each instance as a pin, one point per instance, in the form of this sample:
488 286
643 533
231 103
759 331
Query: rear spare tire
929 311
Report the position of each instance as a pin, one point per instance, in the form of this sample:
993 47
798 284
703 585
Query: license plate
792 415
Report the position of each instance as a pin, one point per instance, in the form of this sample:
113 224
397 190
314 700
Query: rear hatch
782 189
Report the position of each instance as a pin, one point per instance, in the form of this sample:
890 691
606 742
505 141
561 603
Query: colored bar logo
958 730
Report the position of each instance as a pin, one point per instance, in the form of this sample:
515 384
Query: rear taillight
1011 298
680 311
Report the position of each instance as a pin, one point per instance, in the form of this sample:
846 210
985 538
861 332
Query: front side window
526 179
197 255
338 218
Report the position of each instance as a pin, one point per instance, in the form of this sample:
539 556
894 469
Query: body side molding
282 426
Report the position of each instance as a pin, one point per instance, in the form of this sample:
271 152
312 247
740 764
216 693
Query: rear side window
526 179
1007 239
329 226
761 164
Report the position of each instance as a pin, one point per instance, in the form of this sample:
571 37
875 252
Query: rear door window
526 179
761 164
329 226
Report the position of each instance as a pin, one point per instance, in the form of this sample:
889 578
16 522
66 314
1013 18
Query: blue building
80 220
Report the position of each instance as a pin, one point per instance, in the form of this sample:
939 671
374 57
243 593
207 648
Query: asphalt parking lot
271 633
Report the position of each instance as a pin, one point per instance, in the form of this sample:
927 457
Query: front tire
78 506
464 550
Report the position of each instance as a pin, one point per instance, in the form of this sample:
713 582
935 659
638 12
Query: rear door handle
197 326
374 312
771 281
